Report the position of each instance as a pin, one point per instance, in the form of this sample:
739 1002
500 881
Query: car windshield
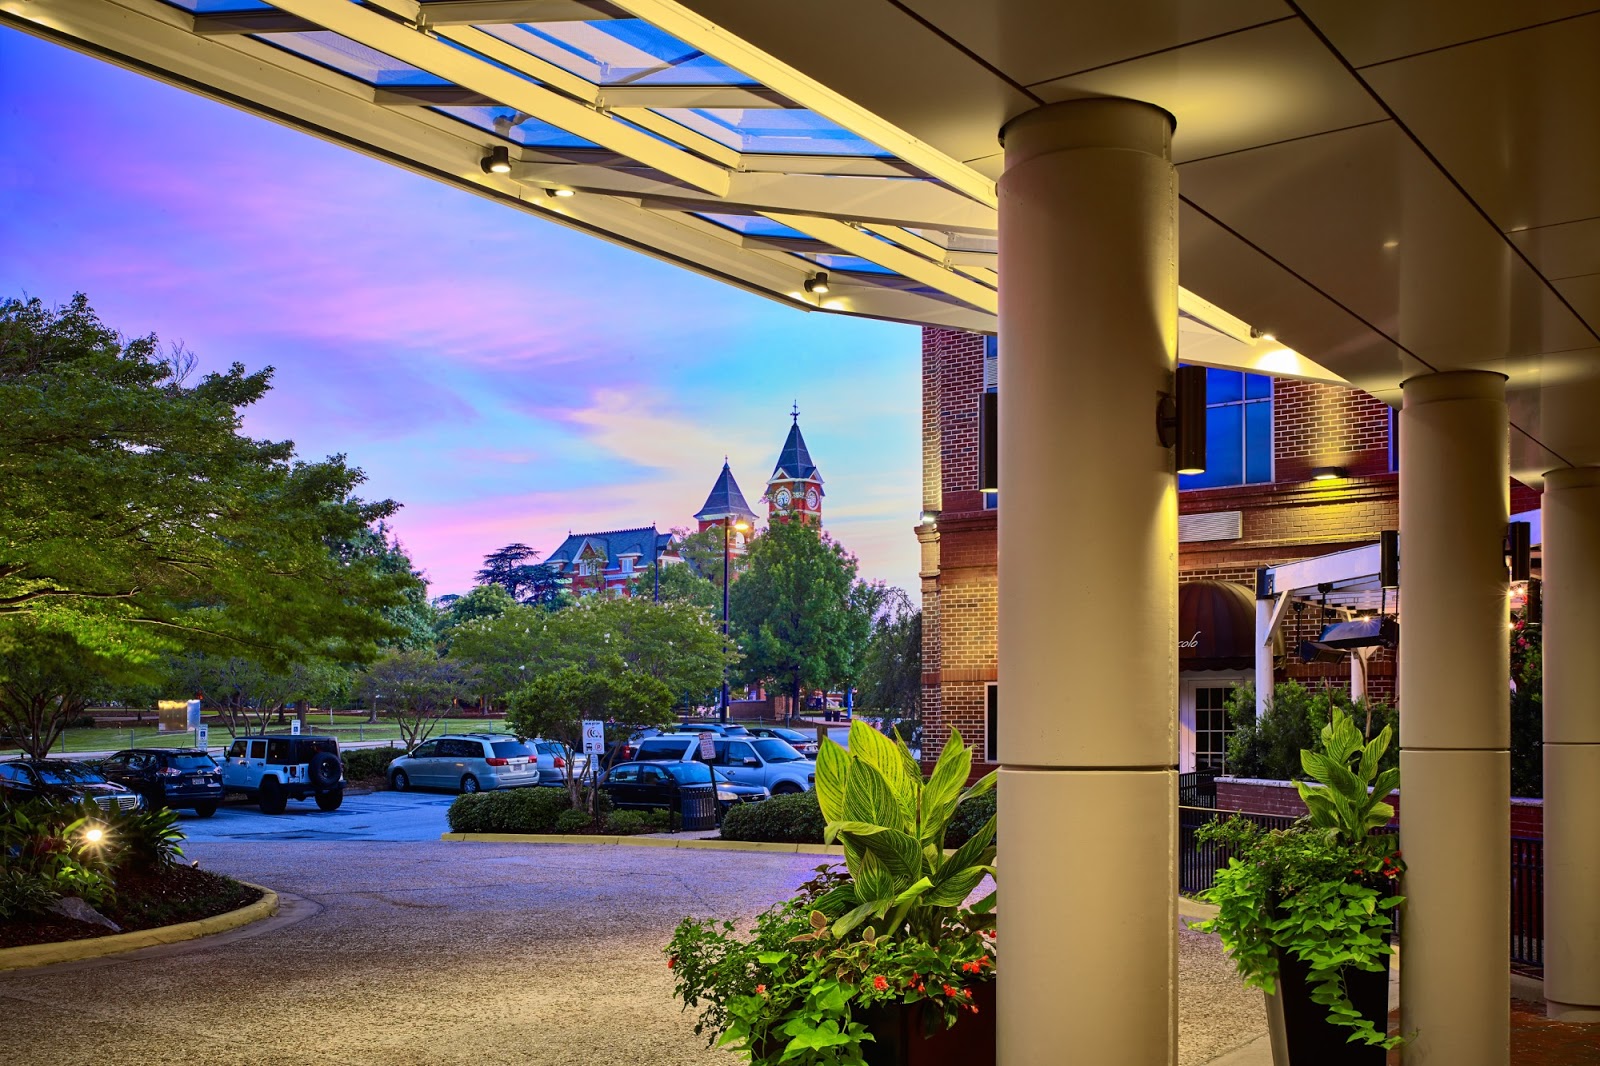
191 761
790 735
68 774
662 751
511 749
689 773
735 731
772 749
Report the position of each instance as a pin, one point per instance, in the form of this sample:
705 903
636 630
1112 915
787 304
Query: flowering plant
1321 890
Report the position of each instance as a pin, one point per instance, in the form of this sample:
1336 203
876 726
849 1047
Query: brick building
1295 470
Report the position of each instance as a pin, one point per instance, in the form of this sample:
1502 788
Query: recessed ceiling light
559 192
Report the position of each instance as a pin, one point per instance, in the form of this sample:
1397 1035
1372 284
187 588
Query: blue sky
505 378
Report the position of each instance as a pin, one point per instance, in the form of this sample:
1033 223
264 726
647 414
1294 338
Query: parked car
765 761
804 743
696 726
272 770
59 779
552 757
467 762
656 785
168 777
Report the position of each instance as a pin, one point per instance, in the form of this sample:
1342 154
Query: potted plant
1305 911
881 964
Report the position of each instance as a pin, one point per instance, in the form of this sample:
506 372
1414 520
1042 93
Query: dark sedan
169 777
57 779
655 785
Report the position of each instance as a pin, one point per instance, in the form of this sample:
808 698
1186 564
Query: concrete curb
32 955
646 842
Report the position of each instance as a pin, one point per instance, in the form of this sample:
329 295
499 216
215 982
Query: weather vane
795 413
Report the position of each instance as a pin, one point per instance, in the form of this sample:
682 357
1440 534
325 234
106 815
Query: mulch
143 901
1539 1041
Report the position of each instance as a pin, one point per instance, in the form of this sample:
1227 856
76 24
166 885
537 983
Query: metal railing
1198 862
1197 790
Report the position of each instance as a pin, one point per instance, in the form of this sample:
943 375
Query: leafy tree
46 678
891 674
1269 747
679 584
797 610
516 569
247 694
414 618
554 705
501 646
418 688
136 513
674 643
702 552
1527 711
484 601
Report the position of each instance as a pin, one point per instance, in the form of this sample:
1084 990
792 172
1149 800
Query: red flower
966 993
672 962
761 990
949 991
1360 872
879 983
970 967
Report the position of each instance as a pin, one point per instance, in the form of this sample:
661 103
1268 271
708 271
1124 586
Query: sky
505 378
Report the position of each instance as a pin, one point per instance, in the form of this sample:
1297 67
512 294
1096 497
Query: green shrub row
546 810
51 850
797 819
361 764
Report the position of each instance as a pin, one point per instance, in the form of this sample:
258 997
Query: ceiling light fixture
817 283
1327 473
1263 335
498 161
559 192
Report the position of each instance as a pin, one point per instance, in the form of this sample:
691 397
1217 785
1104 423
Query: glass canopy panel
340 53
780 131
753 225
516 127
618 52
846 264
220 7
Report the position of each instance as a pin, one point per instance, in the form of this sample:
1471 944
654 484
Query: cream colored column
1571 560
1455 729
1088 317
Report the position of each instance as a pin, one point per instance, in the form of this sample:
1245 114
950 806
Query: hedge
797 819
365 764
969 818
545 810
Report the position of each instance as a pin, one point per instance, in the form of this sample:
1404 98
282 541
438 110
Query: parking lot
362 816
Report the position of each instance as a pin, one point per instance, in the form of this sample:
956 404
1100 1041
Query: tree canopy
136 514
891 671
516 569
679 584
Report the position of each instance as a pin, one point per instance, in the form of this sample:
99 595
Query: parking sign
594 737
202 736
708 750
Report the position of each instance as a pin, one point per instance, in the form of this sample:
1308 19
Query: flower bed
148 901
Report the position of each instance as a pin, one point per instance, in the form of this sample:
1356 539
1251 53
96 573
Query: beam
747 97
857 242
490 12
700 33
645 118
487 44
422 51
909 241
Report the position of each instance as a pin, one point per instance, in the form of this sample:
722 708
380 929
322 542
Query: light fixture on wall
989 442
1327 473
927 518
1181 419
818 283
1389 559
498 161
1519 546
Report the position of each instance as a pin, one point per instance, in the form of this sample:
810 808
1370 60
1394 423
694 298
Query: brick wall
960 358
1281 797
1324 425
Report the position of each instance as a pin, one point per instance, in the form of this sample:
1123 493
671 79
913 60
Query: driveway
362 816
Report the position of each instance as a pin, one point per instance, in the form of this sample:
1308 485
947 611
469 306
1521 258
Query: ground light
94 835
498 161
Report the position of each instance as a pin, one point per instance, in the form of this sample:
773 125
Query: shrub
792 819
517 810
972 815
362 764
627 823
48 843
23 894
1270 747
145 841
573 821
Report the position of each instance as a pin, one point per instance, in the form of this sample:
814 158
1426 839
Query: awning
1216 626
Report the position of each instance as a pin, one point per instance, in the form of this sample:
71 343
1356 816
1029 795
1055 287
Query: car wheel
469 784
329 801
273 798
786 788
399 781
205 810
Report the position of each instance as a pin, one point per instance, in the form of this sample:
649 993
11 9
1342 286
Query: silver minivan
467 762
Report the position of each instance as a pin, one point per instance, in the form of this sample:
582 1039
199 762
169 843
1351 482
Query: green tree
516 569
891 673
501 647
798 611
702 552
484 601
418 688
679 584
1527 711
136 513
414 619
46 678
1269 747
248 694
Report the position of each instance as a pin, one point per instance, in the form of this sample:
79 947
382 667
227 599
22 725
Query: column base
1088 917
1572 1014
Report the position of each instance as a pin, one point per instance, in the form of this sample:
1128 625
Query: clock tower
795 488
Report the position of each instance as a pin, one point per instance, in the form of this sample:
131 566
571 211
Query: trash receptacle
697 807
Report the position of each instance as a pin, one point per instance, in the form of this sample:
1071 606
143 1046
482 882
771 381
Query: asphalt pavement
391 816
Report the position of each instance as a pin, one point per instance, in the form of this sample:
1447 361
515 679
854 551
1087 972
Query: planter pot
1301 1034
903 1037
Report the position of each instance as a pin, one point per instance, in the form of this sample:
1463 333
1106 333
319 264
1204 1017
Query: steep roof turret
725 500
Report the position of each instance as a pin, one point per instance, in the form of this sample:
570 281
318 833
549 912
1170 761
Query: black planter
1301 1034
911 1034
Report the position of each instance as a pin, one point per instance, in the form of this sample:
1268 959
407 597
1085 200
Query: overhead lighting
559 192
498 161
1327 473
1263 335
818 283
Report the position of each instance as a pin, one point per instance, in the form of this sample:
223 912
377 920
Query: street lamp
741 525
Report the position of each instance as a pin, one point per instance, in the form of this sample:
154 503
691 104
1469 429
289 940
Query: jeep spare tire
324 769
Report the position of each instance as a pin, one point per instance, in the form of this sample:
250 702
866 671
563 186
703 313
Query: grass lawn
346 728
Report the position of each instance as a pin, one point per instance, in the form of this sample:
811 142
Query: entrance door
1203 725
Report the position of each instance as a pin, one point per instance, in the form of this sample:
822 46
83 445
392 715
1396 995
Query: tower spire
795 413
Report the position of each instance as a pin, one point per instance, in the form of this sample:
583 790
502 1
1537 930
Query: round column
1571 569
1455 726
1088 313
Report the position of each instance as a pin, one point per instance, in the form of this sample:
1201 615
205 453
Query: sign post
708 749
202 737
294 727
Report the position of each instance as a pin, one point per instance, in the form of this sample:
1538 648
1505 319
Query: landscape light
817 283
93 835
498 161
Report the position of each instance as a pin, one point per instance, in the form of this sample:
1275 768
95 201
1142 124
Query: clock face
811 499
783 497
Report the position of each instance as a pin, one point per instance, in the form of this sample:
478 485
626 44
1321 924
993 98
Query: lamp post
741 525
657 563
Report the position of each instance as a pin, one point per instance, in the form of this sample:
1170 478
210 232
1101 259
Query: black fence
1198 864
1197 790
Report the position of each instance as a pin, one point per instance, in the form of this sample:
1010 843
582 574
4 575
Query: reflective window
780 130
516 127
1238 431
754 225
1211 729
618 51
991 736
340 53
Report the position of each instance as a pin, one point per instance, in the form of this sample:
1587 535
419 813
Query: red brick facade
1291 518
1282 798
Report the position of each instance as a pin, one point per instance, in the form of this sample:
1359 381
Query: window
652 775
626 774
236 750
738 753
278 750
627 564
426 750
1211 728
991 383
991 735
258 749
1238 431
461 749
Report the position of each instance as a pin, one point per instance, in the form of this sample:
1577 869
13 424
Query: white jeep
271 770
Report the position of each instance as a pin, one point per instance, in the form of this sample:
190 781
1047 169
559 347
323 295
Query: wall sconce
1181 419
1519 546
1533 610
1327 473
927 518
1389 559
498 161
989 442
